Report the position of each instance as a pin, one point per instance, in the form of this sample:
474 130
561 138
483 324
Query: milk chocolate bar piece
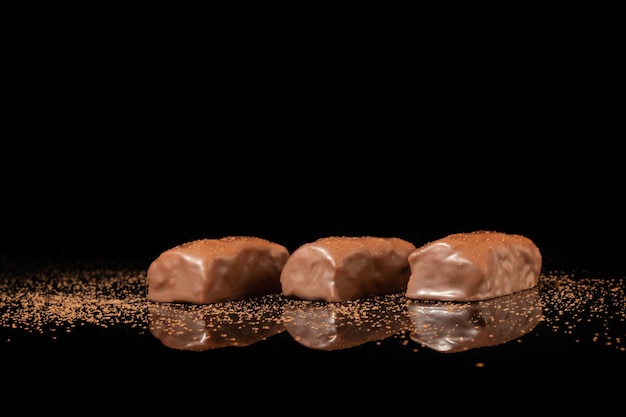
473 266
214 270
340 268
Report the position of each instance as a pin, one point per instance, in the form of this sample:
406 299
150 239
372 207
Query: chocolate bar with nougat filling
473 266
214 270
341 268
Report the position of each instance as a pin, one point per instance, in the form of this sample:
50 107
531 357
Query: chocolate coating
340 268
214 270
473 266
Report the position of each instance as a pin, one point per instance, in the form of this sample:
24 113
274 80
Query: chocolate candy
214 270
339 268
473 266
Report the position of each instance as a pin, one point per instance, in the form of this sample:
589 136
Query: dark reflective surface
454 327
213 326
343 325
91 335
106 311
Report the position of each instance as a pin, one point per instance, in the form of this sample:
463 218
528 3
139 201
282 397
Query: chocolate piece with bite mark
473 266
214 270
340 268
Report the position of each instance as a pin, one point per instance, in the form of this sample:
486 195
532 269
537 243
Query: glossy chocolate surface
213 270
473 266
340 268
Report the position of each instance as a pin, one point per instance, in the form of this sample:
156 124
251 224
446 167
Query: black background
130 131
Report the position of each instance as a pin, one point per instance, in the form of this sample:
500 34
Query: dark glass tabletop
96 327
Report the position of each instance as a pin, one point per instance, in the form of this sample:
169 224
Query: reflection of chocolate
205 327
448 326
340 268
339 325
473 266
215 270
